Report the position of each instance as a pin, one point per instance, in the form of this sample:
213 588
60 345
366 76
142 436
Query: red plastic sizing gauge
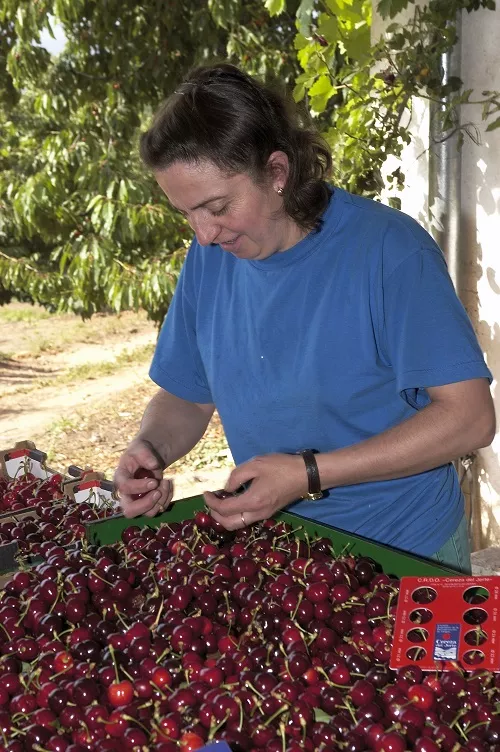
442 621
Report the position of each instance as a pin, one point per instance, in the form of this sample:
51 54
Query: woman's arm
173 426
170 428
459 419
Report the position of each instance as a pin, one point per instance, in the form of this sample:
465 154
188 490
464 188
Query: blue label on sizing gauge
446 640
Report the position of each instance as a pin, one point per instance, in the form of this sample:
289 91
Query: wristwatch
314 484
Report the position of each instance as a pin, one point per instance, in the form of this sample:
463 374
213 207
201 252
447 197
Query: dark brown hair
221 114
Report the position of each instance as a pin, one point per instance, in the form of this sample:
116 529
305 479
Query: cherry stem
119 615
9 638
249 684
113 658
159 690
135 720
214 729
162 656
124 671
241 720
299 601
278 712
454 722
330 682
308 543
349 707
56 600
283 736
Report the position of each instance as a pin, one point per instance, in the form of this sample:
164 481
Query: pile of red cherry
187 633
58 518
16 494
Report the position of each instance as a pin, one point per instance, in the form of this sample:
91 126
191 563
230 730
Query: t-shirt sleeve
177 366
429 337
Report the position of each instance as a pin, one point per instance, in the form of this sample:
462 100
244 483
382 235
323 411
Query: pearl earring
279 191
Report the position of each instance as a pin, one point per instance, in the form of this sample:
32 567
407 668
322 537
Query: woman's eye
220 212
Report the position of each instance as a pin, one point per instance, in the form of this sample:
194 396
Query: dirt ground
78 390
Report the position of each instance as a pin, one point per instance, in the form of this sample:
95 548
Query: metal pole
445 177
445 172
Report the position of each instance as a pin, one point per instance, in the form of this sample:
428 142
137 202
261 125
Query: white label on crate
93 494
18 463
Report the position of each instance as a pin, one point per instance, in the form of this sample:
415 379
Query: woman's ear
278 167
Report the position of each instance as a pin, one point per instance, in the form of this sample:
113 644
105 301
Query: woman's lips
230 244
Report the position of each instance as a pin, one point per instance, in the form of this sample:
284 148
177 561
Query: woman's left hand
276 481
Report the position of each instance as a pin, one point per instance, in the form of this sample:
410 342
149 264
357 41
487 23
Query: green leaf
123 192
304 13
357 44
275 6
495 124
322 86
390 8
329 28
320 716
300 42
299 92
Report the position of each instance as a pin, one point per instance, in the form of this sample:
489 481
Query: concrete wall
479 286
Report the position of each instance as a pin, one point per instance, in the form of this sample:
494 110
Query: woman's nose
206 230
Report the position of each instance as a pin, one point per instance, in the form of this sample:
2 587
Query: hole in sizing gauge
473 657
475 595
416 654
475 616
417 635
424 595
476 636
421 616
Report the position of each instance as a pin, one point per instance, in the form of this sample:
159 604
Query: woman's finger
232 506
167 491
236 521
136 507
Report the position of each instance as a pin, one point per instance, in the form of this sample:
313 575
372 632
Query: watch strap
313 479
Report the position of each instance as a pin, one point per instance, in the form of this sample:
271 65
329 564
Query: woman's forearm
174 426
441 432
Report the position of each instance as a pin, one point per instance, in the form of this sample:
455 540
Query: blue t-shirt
324 345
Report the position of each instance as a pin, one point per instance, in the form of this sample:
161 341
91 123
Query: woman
310 318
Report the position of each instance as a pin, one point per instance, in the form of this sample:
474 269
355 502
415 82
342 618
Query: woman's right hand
156 492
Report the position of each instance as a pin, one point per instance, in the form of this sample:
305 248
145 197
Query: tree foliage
82 226
366 90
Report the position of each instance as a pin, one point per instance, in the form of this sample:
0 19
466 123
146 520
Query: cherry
190 741
222 494
85 692
422 696
453 682
390 742
425 744
57 744
36 736
362 692
140 473
120 693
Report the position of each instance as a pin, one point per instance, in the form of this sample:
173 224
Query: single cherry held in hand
140 473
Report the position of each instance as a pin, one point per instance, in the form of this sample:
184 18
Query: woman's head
222 116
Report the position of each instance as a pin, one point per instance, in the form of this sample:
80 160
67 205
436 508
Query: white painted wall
480 224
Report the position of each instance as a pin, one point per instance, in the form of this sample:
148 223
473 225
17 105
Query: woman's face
231 211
